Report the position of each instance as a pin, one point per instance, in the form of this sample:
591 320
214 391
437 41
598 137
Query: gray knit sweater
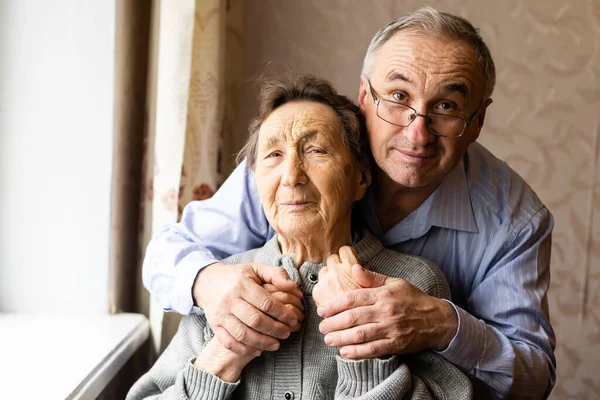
304 367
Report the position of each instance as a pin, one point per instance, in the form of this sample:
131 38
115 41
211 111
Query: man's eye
445 107
399 96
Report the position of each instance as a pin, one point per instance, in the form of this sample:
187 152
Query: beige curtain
193 109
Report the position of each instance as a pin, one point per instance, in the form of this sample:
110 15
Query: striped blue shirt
483 226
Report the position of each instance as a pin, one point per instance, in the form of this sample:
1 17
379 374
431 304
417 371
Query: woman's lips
294 205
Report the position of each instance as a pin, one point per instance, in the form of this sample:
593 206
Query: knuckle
255 321
360 336
240 336
266 303
352 317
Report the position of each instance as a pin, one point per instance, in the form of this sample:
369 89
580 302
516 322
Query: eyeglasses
398 114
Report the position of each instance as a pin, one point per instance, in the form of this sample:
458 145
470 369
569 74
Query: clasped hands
250 307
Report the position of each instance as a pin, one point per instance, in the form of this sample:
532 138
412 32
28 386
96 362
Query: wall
544 122
56 96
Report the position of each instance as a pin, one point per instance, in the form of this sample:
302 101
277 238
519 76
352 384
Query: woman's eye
314 150
274 154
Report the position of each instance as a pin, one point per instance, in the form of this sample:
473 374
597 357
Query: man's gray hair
431 22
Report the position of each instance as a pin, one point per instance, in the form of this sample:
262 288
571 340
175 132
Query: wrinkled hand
245 317
227 365
389 316
336 277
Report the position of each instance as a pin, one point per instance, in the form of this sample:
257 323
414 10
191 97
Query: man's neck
396 202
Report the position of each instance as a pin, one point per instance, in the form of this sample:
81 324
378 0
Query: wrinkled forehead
299 120
428 62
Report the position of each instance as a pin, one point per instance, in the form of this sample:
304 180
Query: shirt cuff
183 282
357 377
201 384
468 343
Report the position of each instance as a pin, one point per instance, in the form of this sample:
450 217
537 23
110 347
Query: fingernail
274 347
320 311
343 352
327 340
292 322
256 353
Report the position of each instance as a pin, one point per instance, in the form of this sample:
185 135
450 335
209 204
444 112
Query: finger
261 299
233 345
290 299
273 289
346 301
366 278
353 336
348 255
376 348
260 324
242 334
333 260
274 275
348 319
299 314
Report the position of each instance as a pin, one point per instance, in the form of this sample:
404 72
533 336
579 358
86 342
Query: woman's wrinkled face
304 173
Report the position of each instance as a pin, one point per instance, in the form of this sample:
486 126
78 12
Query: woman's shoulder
420 272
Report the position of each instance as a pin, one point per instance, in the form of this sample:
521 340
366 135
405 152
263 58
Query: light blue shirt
483 226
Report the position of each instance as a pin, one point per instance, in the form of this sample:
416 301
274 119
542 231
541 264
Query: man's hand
245 317
389 316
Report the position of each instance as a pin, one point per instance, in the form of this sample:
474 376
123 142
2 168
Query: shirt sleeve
230 222
506 340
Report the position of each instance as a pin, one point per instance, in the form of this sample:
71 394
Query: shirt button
289 395
313 278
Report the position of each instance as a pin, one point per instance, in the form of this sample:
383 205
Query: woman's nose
294 173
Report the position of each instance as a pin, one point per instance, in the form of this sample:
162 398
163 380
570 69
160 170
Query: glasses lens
394 113
446 125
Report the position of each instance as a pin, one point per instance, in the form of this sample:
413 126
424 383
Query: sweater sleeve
174 376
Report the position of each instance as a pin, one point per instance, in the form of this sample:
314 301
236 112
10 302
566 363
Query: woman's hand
336 277
291 299
221 362
228 365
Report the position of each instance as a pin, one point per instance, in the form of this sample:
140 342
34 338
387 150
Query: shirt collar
449 206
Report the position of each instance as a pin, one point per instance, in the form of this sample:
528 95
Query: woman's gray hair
429 21
277 92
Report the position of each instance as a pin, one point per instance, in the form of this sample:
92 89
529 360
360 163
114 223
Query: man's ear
362 92
481 115
363 184
480 119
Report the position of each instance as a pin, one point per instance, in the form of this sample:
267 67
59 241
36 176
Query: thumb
366 278
276 276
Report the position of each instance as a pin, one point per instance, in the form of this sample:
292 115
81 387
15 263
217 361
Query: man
425 86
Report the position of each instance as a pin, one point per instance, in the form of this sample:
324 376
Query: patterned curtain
193 108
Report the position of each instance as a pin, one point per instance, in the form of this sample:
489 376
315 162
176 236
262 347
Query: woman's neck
318 245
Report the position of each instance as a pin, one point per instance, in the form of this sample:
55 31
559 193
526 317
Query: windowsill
65 357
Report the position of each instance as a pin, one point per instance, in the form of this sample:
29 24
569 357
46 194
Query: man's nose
294 173
417 133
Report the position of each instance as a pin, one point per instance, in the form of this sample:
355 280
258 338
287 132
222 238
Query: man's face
430 75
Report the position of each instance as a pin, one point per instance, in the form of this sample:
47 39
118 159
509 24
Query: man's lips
416 157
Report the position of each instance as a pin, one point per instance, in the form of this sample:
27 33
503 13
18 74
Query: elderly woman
308 152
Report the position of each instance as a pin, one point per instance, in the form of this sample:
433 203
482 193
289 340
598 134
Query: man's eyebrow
398 76
457 87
